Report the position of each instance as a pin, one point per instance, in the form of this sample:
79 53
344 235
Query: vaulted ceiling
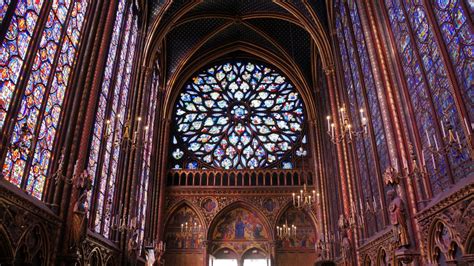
192 29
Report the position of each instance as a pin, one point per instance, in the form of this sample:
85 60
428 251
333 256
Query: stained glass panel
3 9
457 33
100 124
13 51
35 91
53 109
237 115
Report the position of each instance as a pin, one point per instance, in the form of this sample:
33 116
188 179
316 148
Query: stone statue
398 220
79 216
345 241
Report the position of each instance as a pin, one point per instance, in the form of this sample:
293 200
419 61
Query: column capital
329 69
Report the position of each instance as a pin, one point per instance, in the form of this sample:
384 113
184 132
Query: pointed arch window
362 94
31 107
142 194
430 89
111 124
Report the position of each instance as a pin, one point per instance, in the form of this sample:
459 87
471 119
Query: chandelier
286 231
305 199
347 131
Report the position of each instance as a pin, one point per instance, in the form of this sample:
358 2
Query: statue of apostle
398 219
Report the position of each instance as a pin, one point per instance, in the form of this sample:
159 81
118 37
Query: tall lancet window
238 115
362 95
142 195
430 89
31 107
111 123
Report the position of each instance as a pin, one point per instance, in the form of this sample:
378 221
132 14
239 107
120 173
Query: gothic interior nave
236 132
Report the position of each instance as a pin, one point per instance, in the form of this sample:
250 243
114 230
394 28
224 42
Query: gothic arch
180 204
95 257
175 84
33 245
233 206
287 206
442 239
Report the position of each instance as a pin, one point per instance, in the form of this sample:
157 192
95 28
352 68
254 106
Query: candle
294 199
332 130
436 143
329 123
423 158
428 137
314 194
467 126
442 129
459 142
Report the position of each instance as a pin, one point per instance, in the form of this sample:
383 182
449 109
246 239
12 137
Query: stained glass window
429 88
13 51
112 124
27 159
457 33
146 165
359 84
237 115
3 9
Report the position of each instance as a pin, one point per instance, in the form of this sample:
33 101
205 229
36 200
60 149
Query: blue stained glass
237 115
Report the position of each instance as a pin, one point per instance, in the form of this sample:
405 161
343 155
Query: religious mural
305 235
239 225
177 237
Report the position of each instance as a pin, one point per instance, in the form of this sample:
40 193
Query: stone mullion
20 87
165 126
69 114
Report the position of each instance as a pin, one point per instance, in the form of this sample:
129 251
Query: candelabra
286 231
127 136
451 141
189 230
305 199
346 130
121 224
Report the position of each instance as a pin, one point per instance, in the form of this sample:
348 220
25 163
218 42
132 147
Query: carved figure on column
398 220
78 229
345 241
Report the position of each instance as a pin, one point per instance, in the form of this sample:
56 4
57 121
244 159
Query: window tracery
238 115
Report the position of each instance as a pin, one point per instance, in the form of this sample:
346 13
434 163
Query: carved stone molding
28 228
447 220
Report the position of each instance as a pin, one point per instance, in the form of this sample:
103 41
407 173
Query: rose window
238 116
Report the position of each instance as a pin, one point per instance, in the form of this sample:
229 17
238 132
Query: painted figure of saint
239 228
